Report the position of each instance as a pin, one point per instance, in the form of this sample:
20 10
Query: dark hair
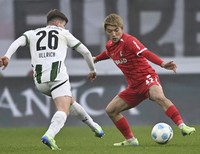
52 14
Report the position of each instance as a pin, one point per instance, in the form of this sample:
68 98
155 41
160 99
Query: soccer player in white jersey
48 48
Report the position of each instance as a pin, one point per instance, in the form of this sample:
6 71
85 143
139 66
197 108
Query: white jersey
48 48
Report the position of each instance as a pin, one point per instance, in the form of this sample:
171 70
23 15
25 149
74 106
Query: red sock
123 127
173 113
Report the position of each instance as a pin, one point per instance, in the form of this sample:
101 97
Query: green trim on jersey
38 70
74 47
27 42
55 69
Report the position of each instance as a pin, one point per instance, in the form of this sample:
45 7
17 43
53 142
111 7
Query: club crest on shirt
121 60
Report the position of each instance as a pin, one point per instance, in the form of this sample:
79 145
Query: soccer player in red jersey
131 56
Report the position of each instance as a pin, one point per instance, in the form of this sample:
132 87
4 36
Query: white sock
131 139
57 122
77 110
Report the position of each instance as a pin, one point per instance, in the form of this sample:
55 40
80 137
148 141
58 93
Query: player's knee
110 111
158 98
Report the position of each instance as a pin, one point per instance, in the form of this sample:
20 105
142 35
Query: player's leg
61 94
114 109
77 110
62 104
156 94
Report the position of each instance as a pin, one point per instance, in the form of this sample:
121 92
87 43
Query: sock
123 127
57 122
181 125
174 114
77 110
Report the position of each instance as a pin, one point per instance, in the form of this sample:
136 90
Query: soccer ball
162 133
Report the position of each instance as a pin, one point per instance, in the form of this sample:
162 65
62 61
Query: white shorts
55 89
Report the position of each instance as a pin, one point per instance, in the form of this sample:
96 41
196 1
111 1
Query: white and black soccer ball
162 133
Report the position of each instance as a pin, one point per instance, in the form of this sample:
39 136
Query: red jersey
127 55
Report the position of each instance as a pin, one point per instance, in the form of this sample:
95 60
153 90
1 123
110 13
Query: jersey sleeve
102 56
14 46
27 35
135 46
152 57
82 49
72 41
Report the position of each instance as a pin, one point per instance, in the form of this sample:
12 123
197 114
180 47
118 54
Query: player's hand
92 75
4 62
169 66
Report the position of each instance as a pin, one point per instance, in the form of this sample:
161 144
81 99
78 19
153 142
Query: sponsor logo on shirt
120 61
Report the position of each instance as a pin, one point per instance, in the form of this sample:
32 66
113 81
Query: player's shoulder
127 37
129 40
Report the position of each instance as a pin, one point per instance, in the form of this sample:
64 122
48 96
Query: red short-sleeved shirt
136 69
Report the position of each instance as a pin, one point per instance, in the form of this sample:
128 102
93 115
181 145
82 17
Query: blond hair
113 20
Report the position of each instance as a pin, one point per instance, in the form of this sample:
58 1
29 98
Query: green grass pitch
80 140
